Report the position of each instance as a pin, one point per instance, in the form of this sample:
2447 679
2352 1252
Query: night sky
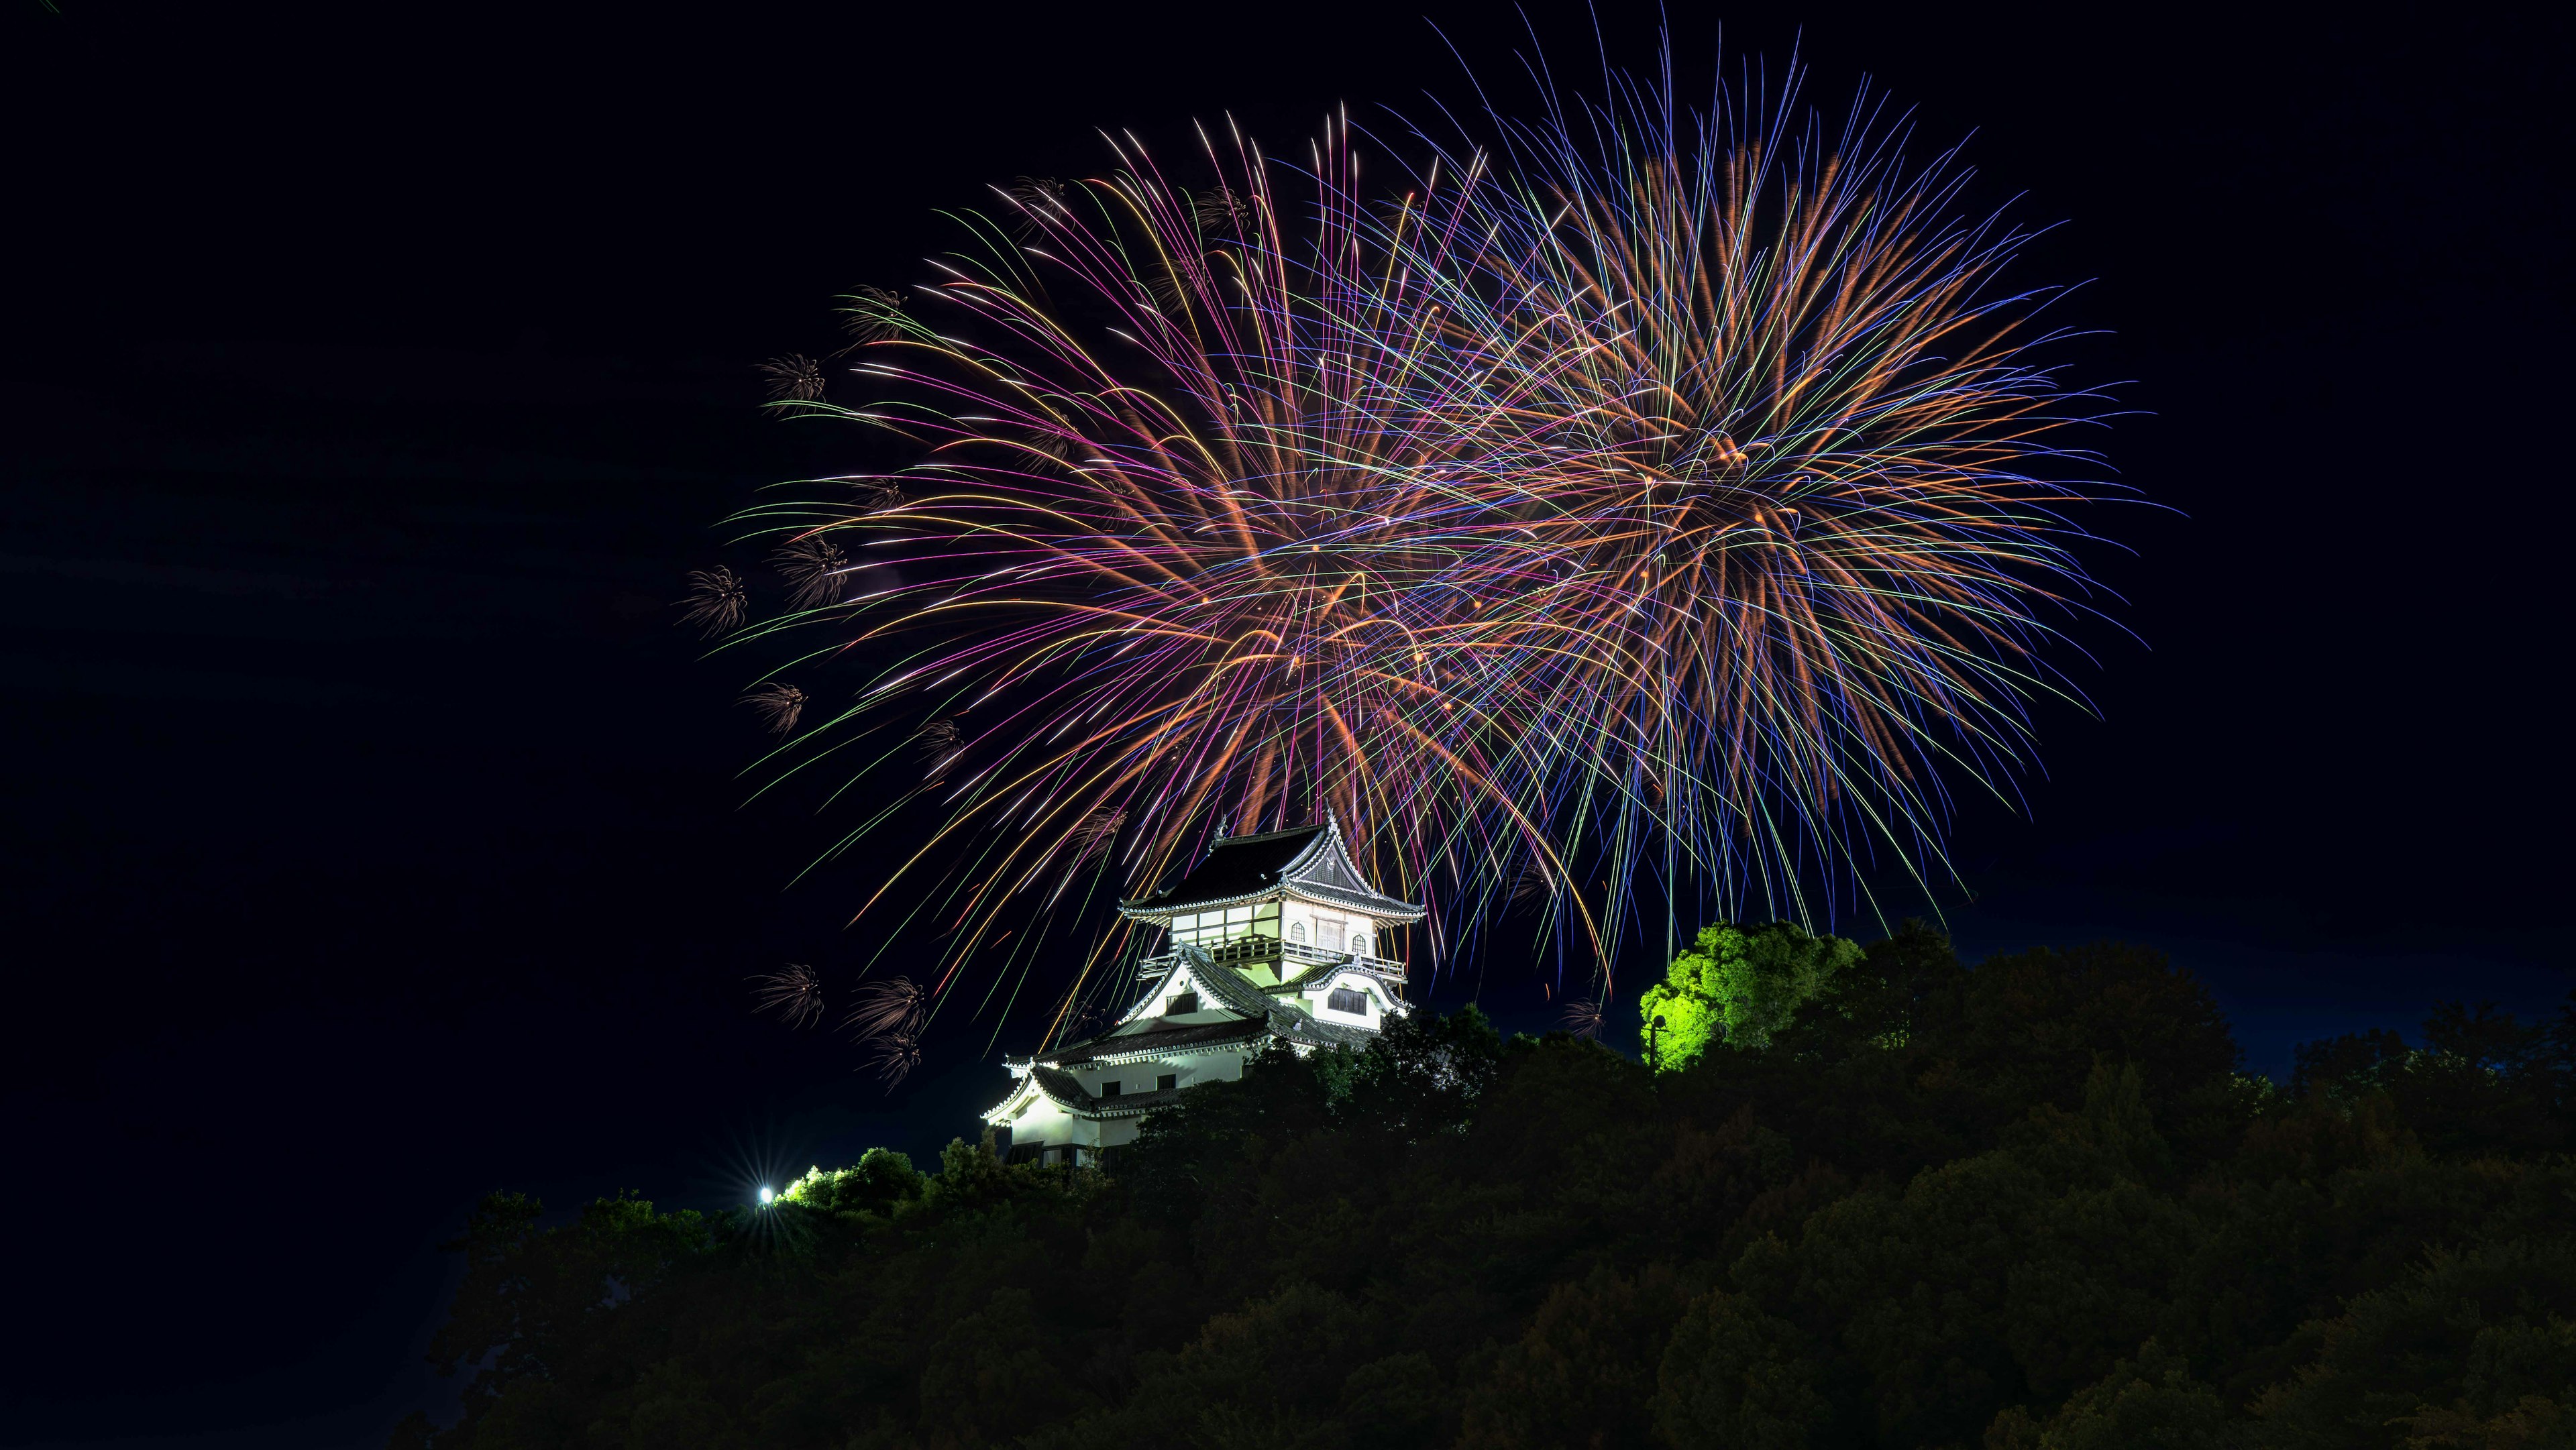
374 374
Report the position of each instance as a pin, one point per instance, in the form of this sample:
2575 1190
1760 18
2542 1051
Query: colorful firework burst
1692 483
1211 567
1808 523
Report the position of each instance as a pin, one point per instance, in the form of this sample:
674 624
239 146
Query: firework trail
1687 486
794 992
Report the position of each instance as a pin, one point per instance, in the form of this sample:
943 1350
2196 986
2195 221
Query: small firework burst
1222 210
815 568
1050 453
794 992
1533 887
1585 1017
876 496
1037 197
1091 1021
717 600
1087 840
779 706
873 314
939 740
1096 832
793 378
895 1005
894 1056
887 1019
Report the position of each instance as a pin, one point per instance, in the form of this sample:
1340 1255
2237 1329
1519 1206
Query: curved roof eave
1385 908
1324 850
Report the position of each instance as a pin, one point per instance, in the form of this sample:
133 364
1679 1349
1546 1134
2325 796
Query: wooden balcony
1286 958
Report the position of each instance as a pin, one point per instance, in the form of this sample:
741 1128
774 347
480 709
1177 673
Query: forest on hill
2035 1203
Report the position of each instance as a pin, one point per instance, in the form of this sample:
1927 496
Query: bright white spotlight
766 1195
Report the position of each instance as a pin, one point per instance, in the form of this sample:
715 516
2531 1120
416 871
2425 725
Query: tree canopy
1738 985
2032 1205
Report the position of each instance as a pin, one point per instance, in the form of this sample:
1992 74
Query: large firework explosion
1681 487
1809 513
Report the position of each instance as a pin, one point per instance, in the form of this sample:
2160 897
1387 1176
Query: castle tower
1272 938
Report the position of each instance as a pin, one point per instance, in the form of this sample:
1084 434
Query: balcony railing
1295 959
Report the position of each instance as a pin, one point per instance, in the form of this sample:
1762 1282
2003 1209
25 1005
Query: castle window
1297 931
1109 1090
1182 1002
1167 1082
1208 928
1346 1000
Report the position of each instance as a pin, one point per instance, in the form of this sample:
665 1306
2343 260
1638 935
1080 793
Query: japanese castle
1273 938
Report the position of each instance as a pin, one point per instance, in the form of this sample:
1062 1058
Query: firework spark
795 993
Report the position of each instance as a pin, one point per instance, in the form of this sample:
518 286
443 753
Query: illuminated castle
1273 938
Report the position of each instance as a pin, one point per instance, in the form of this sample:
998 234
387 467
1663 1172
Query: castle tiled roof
1253 1013
1157 1038
1068 1093
1311 863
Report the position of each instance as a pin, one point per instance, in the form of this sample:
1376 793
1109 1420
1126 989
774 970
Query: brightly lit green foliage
1738 985
881 1178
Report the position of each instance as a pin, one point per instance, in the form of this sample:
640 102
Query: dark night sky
375 372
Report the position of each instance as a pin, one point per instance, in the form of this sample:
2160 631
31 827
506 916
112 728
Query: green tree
2149 1403
2030 1204
1738 985
881 1179
1734 1378
1584 1372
